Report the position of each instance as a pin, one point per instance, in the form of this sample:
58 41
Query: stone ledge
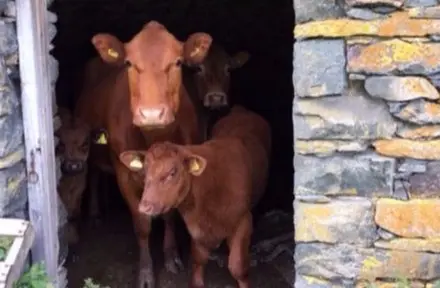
404 148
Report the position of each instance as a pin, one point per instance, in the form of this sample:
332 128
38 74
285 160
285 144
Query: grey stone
412 165
319 68
393 88
435 38
418 111
8 101
356 77
420 3
384 234
51 17
401 189
313 198
3 5
12 158
349 221
303 281
53 69
394 3
312 10
426 12
13 198
354 115
51 32
361 175
414 132
346 261
8 38
10 9
384 9
11 131
426 185
364 14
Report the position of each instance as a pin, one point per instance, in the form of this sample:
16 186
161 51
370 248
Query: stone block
411 219
51 32
404 148
364 14
311 10
383 284
393 88
362 175
348 261
406 244
304 281
412 166
420 3
425 12
415 132
426 185
8 38
353 115
326 148
395 3
401 189
340 221
418 111
316 73
394 56
397 24
11 131
12 158
13 198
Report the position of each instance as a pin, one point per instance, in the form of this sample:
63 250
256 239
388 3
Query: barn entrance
107 252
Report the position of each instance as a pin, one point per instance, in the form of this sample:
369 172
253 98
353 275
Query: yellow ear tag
112 53
195 52
136 164
194 166
102 140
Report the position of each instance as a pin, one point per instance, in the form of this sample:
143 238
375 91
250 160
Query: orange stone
405 148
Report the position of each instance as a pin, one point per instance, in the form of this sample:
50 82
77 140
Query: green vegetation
5 244
36 277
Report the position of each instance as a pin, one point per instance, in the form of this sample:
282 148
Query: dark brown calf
137 96
213 185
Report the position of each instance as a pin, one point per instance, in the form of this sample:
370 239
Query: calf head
167 170
153 58
213 76
74 143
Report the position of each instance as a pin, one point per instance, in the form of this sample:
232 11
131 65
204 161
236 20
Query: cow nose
216 99
158 116
72 166
149 208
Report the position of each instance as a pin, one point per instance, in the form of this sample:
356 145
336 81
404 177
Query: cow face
153 58
74 144
212 76
167 171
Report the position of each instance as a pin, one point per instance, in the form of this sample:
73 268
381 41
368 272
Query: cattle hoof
146 278
173 263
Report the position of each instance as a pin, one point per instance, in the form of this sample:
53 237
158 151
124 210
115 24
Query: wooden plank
36 103
11 268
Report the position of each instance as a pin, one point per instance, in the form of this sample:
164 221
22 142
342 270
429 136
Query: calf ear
196 164
196 48
110 48
239 59
133 160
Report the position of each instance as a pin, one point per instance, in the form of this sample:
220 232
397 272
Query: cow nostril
162 113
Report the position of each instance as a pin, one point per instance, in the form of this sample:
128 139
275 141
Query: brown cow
213 185
73 149
141 100
210 84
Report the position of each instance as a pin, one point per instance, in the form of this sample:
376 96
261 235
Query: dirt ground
108 255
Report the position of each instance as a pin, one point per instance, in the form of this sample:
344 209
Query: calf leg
94 211
239 260
200 255
173 263
142 225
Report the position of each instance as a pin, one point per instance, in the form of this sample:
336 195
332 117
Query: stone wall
367 148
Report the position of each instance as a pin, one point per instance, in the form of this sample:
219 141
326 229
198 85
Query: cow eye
200 69
127 63
179 62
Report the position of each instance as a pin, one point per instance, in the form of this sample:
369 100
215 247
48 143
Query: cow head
153 58
74 143
167 170
213 76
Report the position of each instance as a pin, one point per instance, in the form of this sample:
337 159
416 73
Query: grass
5 244
36 277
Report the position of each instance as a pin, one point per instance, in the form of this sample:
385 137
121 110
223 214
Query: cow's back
255 133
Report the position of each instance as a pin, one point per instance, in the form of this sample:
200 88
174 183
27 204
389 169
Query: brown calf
140 100
73 149
213 185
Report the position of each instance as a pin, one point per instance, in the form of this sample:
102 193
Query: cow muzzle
215 100
150 208
71 167
156 117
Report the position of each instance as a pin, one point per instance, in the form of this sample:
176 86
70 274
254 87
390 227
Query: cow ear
195 164
196 48
110 48
133 160
239 59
